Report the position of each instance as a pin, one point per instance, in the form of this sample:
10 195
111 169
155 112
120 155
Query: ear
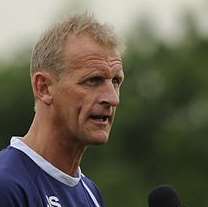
42 83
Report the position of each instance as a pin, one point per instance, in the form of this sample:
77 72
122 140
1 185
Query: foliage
16 101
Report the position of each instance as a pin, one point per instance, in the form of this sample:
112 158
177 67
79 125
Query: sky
23 21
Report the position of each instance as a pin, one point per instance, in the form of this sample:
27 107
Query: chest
49 193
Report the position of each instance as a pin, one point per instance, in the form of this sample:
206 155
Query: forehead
83 51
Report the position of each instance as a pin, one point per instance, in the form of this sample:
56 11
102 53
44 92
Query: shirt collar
50 169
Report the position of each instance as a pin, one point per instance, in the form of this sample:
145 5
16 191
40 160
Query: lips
101 118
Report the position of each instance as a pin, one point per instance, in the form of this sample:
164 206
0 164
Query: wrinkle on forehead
96 61
84 52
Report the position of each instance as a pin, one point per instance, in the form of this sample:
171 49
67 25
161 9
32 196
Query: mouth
101 119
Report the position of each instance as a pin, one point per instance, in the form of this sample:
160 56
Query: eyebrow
103 71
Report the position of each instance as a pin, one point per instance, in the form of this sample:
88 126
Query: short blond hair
48 53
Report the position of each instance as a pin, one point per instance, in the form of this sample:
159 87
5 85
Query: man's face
86 96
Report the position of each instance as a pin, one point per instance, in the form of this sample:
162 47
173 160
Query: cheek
87 103
75 102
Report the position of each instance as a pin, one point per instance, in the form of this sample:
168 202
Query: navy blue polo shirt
28 180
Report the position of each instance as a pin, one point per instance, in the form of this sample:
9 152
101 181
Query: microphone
164 196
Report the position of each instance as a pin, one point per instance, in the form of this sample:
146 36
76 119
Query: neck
61 151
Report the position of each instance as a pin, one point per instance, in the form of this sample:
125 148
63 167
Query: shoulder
12 162
9 156
14 168
89 182
16 162
93 187
15 183
11 192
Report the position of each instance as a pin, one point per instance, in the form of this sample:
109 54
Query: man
76 74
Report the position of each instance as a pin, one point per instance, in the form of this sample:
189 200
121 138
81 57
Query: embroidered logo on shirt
53 201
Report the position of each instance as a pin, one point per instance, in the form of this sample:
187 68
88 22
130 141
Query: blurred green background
160 132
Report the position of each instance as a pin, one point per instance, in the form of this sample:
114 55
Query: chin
97 139
100 141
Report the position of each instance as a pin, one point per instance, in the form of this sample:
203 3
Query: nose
110 96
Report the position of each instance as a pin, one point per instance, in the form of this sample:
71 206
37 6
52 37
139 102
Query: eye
116 81
94 81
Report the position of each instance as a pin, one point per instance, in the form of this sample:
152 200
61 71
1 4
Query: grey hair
48 53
